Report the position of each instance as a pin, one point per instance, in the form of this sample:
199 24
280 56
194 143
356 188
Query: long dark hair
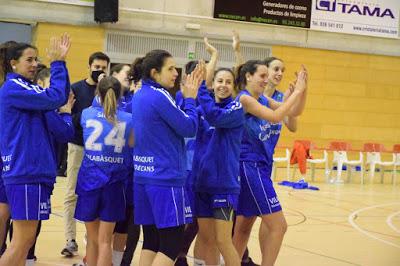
153 60
10 50
136 72
248 67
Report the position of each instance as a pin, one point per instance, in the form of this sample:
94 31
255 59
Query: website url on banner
372 29
234 17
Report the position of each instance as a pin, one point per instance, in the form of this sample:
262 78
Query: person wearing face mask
84 92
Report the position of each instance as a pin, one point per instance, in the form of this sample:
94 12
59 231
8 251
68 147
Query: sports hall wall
354 97
85 39
354 91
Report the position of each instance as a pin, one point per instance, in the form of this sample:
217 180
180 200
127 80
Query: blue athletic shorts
206 203
129 193
29 201
191 195
257 194
3 194
106 204
162 206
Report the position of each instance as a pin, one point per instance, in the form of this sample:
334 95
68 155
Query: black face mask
95 75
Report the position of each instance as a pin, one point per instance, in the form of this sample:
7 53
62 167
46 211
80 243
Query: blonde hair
110 107
109 90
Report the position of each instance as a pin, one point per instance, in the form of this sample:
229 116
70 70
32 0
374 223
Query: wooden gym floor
346 224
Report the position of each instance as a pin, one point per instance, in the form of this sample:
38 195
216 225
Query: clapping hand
302 79
193 81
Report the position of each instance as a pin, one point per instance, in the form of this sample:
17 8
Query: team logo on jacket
6 162
268 130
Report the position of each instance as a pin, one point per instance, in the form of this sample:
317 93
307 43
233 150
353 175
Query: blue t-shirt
107 157
275 128
255 145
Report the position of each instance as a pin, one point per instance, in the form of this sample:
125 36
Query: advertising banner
378 18
294 13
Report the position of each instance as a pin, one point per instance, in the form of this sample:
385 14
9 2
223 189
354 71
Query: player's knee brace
151 240
171 240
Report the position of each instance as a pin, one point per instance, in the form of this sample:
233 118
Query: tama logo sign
353 8
378 18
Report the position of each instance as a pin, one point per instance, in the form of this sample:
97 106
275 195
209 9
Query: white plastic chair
280 160
373 151
324 160
396 159
340 158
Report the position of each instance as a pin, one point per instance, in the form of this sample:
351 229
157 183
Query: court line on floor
313 252
303 217
354 214
321 255
352 202
358 193
389 221
341 223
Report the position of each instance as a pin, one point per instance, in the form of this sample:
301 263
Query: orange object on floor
300 154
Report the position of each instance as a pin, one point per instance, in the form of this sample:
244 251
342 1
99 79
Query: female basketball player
28 179
217 183
106 165
257 196
160 127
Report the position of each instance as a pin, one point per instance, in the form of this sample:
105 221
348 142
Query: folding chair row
340 160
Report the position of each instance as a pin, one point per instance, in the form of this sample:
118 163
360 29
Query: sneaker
82 263
71 249
79 264
249 262
181 261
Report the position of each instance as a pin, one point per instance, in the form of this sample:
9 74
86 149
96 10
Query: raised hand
58 48
301 82
69 105
65 44
235 41
209 48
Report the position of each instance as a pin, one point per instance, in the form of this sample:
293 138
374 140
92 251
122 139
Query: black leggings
133 232
189 235
165 240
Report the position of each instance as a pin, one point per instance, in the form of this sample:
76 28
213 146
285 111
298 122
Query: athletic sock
30 262
117 257
198 262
